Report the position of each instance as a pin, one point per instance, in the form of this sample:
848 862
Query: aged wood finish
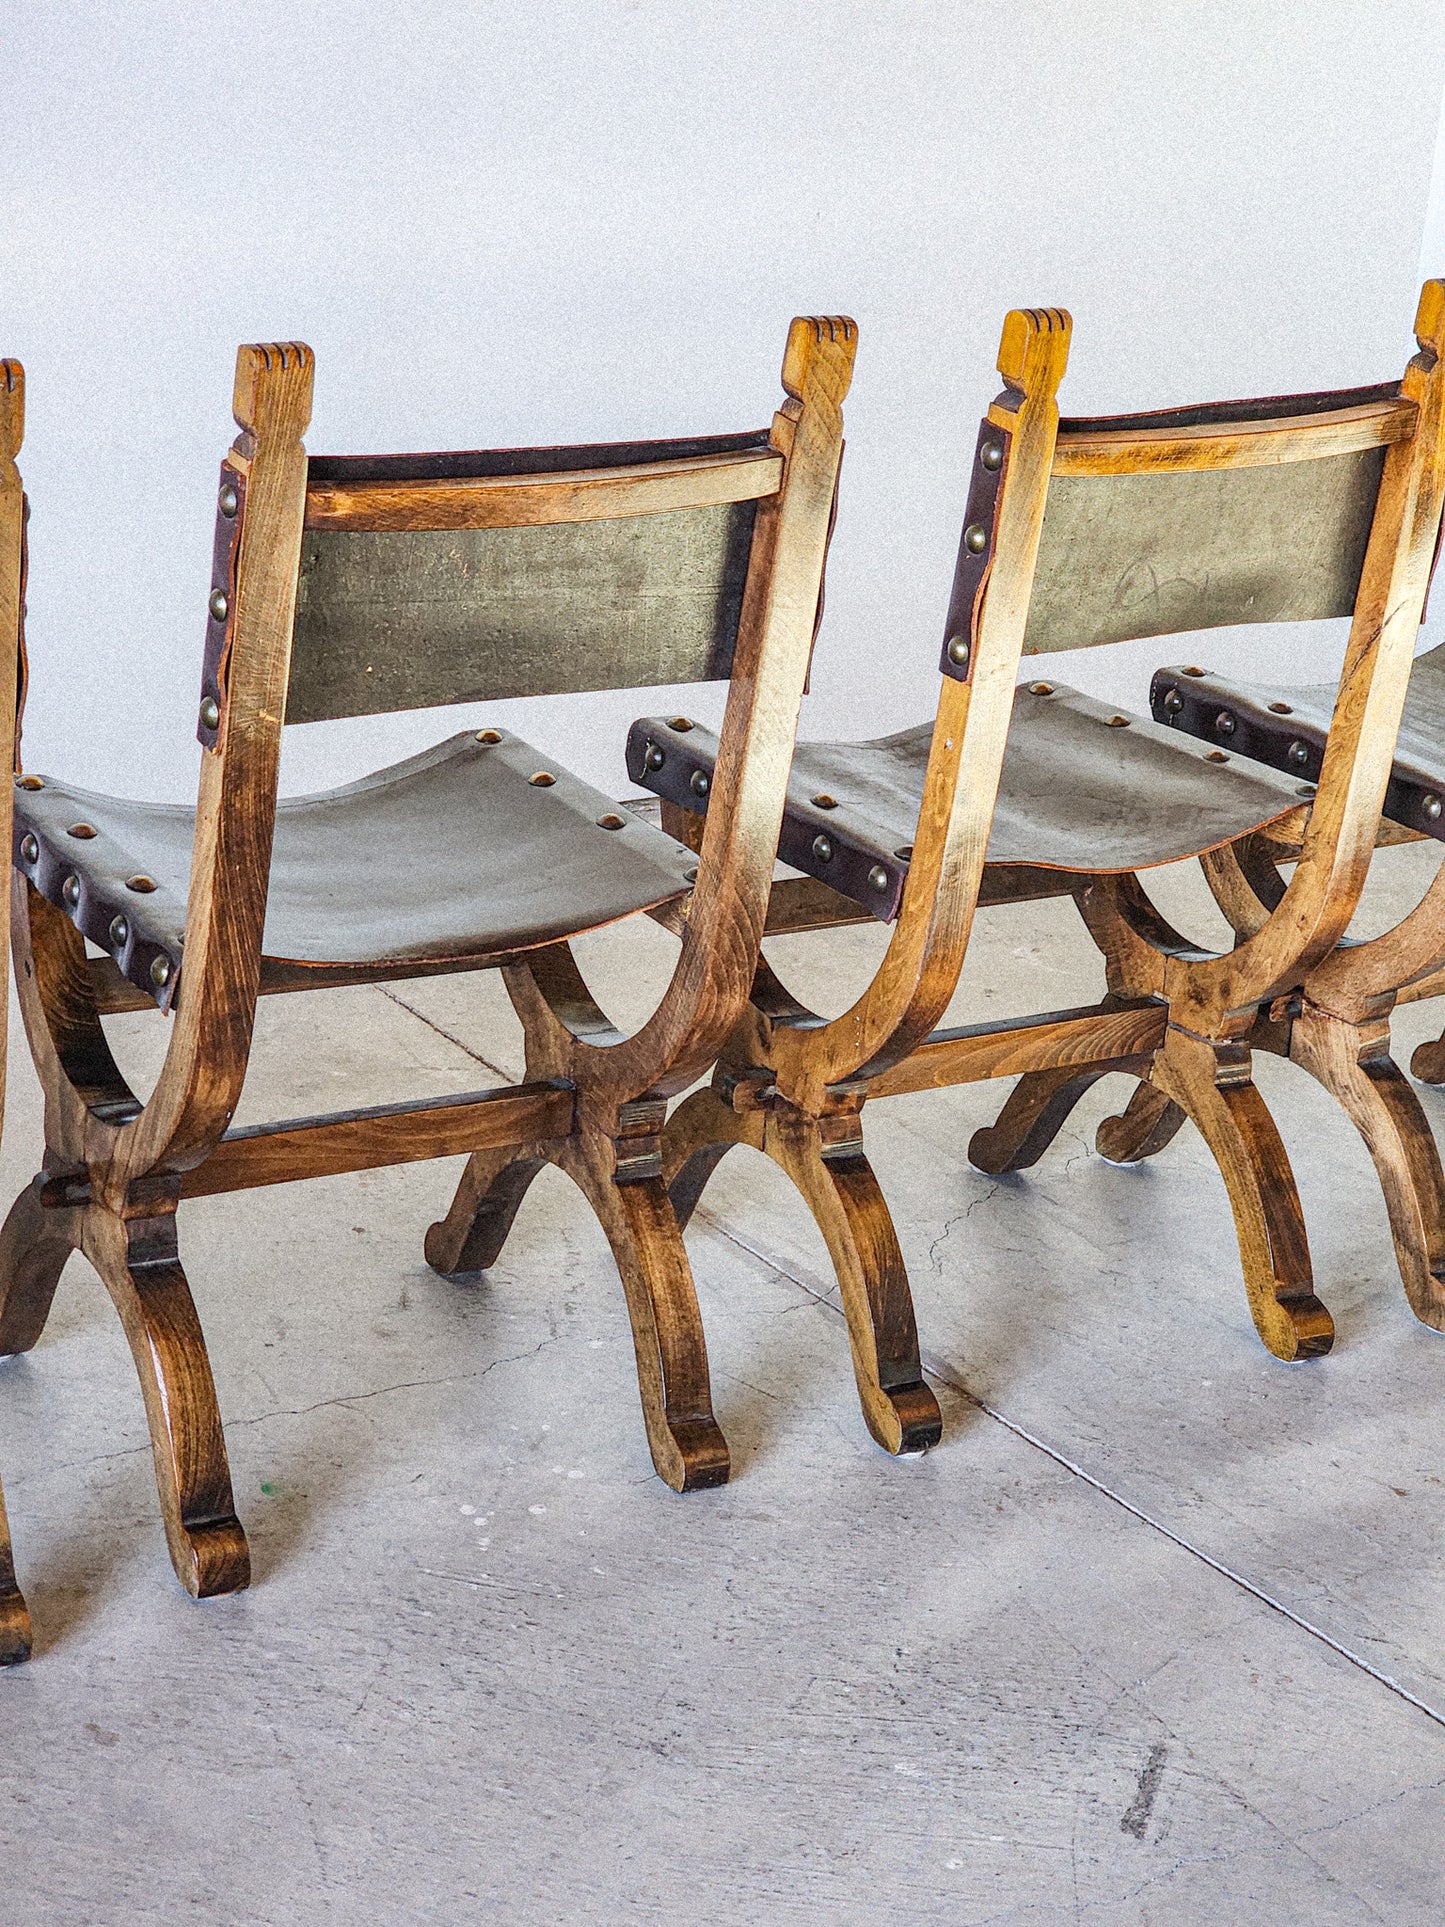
1367 468
115 1168
14 1617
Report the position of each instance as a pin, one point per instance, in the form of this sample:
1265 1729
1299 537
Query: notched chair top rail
510 488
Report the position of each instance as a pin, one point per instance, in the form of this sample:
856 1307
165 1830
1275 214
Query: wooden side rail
438 1127
1090 1035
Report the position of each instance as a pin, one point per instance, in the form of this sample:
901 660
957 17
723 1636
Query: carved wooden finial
1430 316
273 386
820 354
12 409
1033 351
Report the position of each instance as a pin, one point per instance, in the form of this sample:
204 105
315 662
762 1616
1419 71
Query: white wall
499 223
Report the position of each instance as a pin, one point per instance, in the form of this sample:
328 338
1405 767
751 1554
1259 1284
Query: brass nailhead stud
82 832
543 780
1280 709
219 607
653 758
975 538
119 931
1305 789
1224 723
70 890
1430 807
1215 756
822 801
32 782
489 736
879 877
142 885
991 455
210 713
1193 670
160 972
29 849
682 724
1041 689
1298 753
228 501
1118 722
612 821
1173 702
958 651
699 782
822 849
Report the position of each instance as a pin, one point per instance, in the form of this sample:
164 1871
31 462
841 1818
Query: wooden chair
14 1618
1336 1026
1079 533
353 586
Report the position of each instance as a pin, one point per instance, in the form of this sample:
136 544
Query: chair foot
1428 1061
826 1161
687 1443
471 1236
14 1614
1211 1084
1353 1062
35 1242
1147 1123
137 1261
1037 1108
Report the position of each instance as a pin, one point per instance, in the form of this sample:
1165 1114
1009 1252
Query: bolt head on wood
219 605
653 757
160 972
991 455
228 501
29 849
975 538
210 713
878 877
1173 702
699 782
958 651
119 932
822 849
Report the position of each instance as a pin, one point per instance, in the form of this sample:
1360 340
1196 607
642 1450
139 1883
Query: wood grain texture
527 501
1086 450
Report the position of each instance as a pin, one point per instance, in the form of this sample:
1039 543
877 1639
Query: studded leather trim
225 553
975 550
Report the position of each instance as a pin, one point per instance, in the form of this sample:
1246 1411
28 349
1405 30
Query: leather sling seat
458 853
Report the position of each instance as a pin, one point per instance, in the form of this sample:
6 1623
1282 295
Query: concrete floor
1153 1637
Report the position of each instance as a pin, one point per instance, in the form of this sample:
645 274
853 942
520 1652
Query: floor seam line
940 1370
422 1018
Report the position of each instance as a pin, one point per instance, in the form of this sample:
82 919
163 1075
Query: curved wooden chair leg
137 1262
687 1443
470 1237
1212 1085
1428 1062
35 1242
1037 1108
14 1614
1147 1123
838 1185
696 1139
1353 1062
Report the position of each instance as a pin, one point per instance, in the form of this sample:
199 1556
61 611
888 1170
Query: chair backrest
1198 518
465 577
